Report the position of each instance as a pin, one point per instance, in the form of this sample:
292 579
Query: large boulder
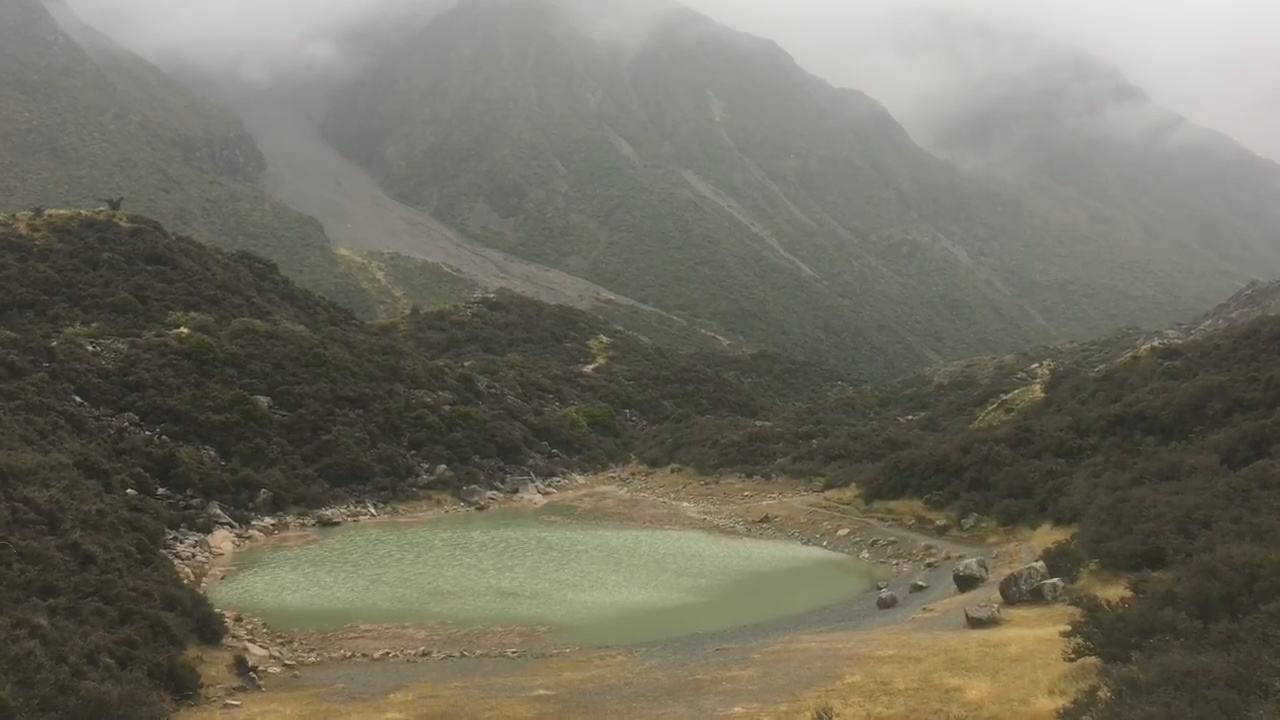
1049 591
886 599
982 616
475 496
219 517
330 517
1017 587
970 573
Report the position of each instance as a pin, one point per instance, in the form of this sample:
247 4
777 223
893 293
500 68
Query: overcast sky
1216 61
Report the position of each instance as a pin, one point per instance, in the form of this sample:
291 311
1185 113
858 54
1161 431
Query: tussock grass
1013 672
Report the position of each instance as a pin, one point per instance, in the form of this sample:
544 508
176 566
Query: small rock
970 573
970 521
918 585
882 585
274 671
982 616
843 532
256 650
886 599
765 518
131 493
231 704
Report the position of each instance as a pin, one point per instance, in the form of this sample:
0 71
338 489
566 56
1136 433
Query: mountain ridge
757 184
84 118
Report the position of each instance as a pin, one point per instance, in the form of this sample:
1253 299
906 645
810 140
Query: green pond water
593 584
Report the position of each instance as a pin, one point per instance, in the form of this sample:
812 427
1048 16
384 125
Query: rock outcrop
970 573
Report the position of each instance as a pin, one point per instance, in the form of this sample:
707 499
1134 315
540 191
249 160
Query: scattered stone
918 585
231 704
131 493
882 585
1017 586
941 527
1049 591
982 616
274 671
765 518
843 532
970 521
264 402
330 517
886 599
256 650
970 573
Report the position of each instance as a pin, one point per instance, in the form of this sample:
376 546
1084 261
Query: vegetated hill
133 361
702 171
1166 461
1077 137
84 119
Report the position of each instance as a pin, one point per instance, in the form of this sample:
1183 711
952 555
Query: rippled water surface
593 584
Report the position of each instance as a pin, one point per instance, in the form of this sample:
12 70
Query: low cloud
1215 61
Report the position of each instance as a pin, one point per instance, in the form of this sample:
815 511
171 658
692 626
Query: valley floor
917 660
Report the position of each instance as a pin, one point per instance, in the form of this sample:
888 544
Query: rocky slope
701 171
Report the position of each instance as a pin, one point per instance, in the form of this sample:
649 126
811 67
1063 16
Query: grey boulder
1018 586
970 573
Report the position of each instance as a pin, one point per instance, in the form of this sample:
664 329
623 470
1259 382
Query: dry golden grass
1015 671
531 694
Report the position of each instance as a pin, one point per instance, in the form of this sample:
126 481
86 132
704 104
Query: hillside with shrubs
136 364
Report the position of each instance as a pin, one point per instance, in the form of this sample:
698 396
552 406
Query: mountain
84 119
701 171
1077 137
